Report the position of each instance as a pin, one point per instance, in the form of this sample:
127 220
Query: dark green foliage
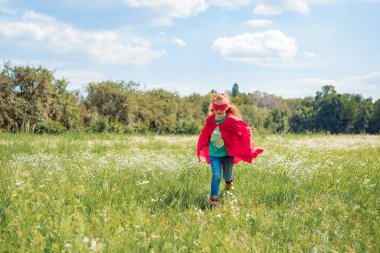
374 124
50 127
29 96
362 121
235 90
332 112
277 121
32 100
302 117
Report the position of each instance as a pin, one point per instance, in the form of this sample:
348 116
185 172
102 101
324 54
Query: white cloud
180 42
4 7
263 9
79 77
310 54
274 7
260 48
314 83
258 22
300 87
105 47
367 85
170 8
229 4
182 88
74 73
186 8
373 77
186 89
301 6
37 17
165 10
161 21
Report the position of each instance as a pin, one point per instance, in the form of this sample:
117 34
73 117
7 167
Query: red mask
222 107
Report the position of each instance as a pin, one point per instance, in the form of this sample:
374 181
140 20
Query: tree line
33 100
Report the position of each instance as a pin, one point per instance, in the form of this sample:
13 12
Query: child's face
220 107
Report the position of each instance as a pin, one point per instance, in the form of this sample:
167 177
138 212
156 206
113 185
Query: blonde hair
232 109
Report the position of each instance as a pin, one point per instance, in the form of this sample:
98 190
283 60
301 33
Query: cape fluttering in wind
237 139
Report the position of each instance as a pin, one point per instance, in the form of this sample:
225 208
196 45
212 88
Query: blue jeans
216 166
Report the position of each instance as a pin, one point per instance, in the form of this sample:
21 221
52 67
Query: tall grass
117 193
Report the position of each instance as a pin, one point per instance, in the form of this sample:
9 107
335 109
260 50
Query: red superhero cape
236 135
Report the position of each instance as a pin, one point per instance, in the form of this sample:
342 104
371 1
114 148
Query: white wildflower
154 236
93 245
19 183
86 239
96 247
143 182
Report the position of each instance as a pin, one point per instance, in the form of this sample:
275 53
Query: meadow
123 193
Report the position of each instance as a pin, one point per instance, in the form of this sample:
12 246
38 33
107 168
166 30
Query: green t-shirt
217 147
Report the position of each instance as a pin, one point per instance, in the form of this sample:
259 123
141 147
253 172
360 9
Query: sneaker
229 185
213 201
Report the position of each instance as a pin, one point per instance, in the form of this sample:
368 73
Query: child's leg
228 162
216 165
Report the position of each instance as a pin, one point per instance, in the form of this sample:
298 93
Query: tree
32 99
374 124
277 121
28 97
327 105
301 119
326 91
235 90
111 104
191 113
160 109
65 107
348 112
363 117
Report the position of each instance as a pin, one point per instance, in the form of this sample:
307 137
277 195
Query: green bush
98 126
50 127
117 127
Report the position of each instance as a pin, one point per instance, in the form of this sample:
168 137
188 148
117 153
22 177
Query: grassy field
118 193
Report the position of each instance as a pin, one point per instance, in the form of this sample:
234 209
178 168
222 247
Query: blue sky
290 48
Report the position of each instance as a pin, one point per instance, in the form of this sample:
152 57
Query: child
224 141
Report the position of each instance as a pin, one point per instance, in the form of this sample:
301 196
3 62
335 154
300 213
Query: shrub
50 127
